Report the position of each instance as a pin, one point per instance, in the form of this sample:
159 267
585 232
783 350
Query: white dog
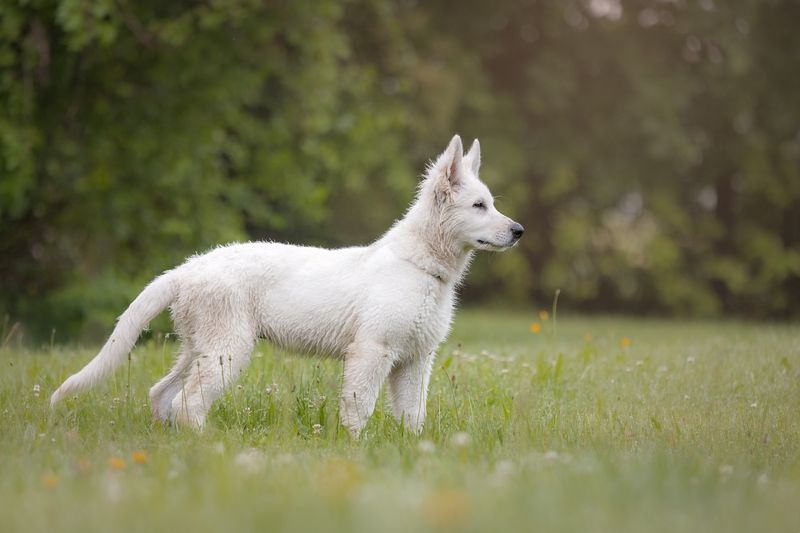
383 308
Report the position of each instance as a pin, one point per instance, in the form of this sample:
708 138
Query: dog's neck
422 238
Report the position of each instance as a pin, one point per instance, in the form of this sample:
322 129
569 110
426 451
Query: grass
687 426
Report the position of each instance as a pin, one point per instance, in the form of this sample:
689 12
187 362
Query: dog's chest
432 318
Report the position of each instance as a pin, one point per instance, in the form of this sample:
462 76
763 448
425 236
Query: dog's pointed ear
473 157
447 169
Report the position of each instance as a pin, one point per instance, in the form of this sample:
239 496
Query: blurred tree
134 133
650 147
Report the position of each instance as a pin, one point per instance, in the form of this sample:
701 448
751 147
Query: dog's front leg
366 366
409 387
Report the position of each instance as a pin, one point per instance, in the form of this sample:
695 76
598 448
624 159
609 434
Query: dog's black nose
517 230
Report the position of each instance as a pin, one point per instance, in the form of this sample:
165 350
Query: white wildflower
426 446
461 439
251 460
503 470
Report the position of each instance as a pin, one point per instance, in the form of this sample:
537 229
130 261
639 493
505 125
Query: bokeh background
651 148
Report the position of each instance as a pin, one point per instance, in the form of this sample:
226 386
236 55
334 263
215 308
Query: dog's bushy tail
160 293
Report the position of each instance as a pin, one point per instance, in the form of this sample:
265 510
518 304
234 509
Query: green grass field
604 424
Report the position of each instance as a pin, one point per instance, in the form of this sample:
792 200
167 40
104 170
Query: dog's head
467 206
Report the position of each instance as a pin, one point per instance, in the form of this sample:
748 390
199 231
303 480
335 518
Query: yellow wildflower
83 465
49 480
339 479
536 327
447 509
544 316
116 463
624 342
139 457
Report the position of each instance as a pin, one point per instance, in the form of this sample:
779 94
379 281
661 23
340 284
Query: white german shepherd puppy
383 308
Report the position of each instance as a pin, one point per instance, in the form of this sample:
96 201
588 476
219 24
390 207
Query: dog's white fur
384 308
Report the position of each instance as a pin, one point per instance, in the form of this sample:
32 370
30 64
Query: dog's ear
447 169
473 157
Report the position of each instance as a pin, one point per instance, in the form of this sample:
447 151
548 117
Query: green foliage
134 135
650 148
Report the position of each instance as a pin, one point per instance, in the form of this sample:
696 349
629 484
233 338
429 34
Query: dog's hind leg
366 366
215 367
408 383
163 392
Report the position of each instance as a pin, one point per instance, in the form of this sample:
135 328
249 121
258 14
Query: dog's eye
479 205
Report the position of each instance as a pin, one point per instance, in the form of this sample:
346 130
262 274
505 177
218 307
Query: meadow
590 424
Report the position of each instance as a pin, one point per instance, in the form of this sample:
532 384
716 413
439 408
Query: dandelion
116 463
139 457
544 316
536 327
551 455
624 342
461 439
503 470
251 460
50 481
426 446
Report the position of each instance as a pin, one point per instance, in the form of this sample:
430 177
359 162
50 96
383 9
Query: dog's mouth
494 246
